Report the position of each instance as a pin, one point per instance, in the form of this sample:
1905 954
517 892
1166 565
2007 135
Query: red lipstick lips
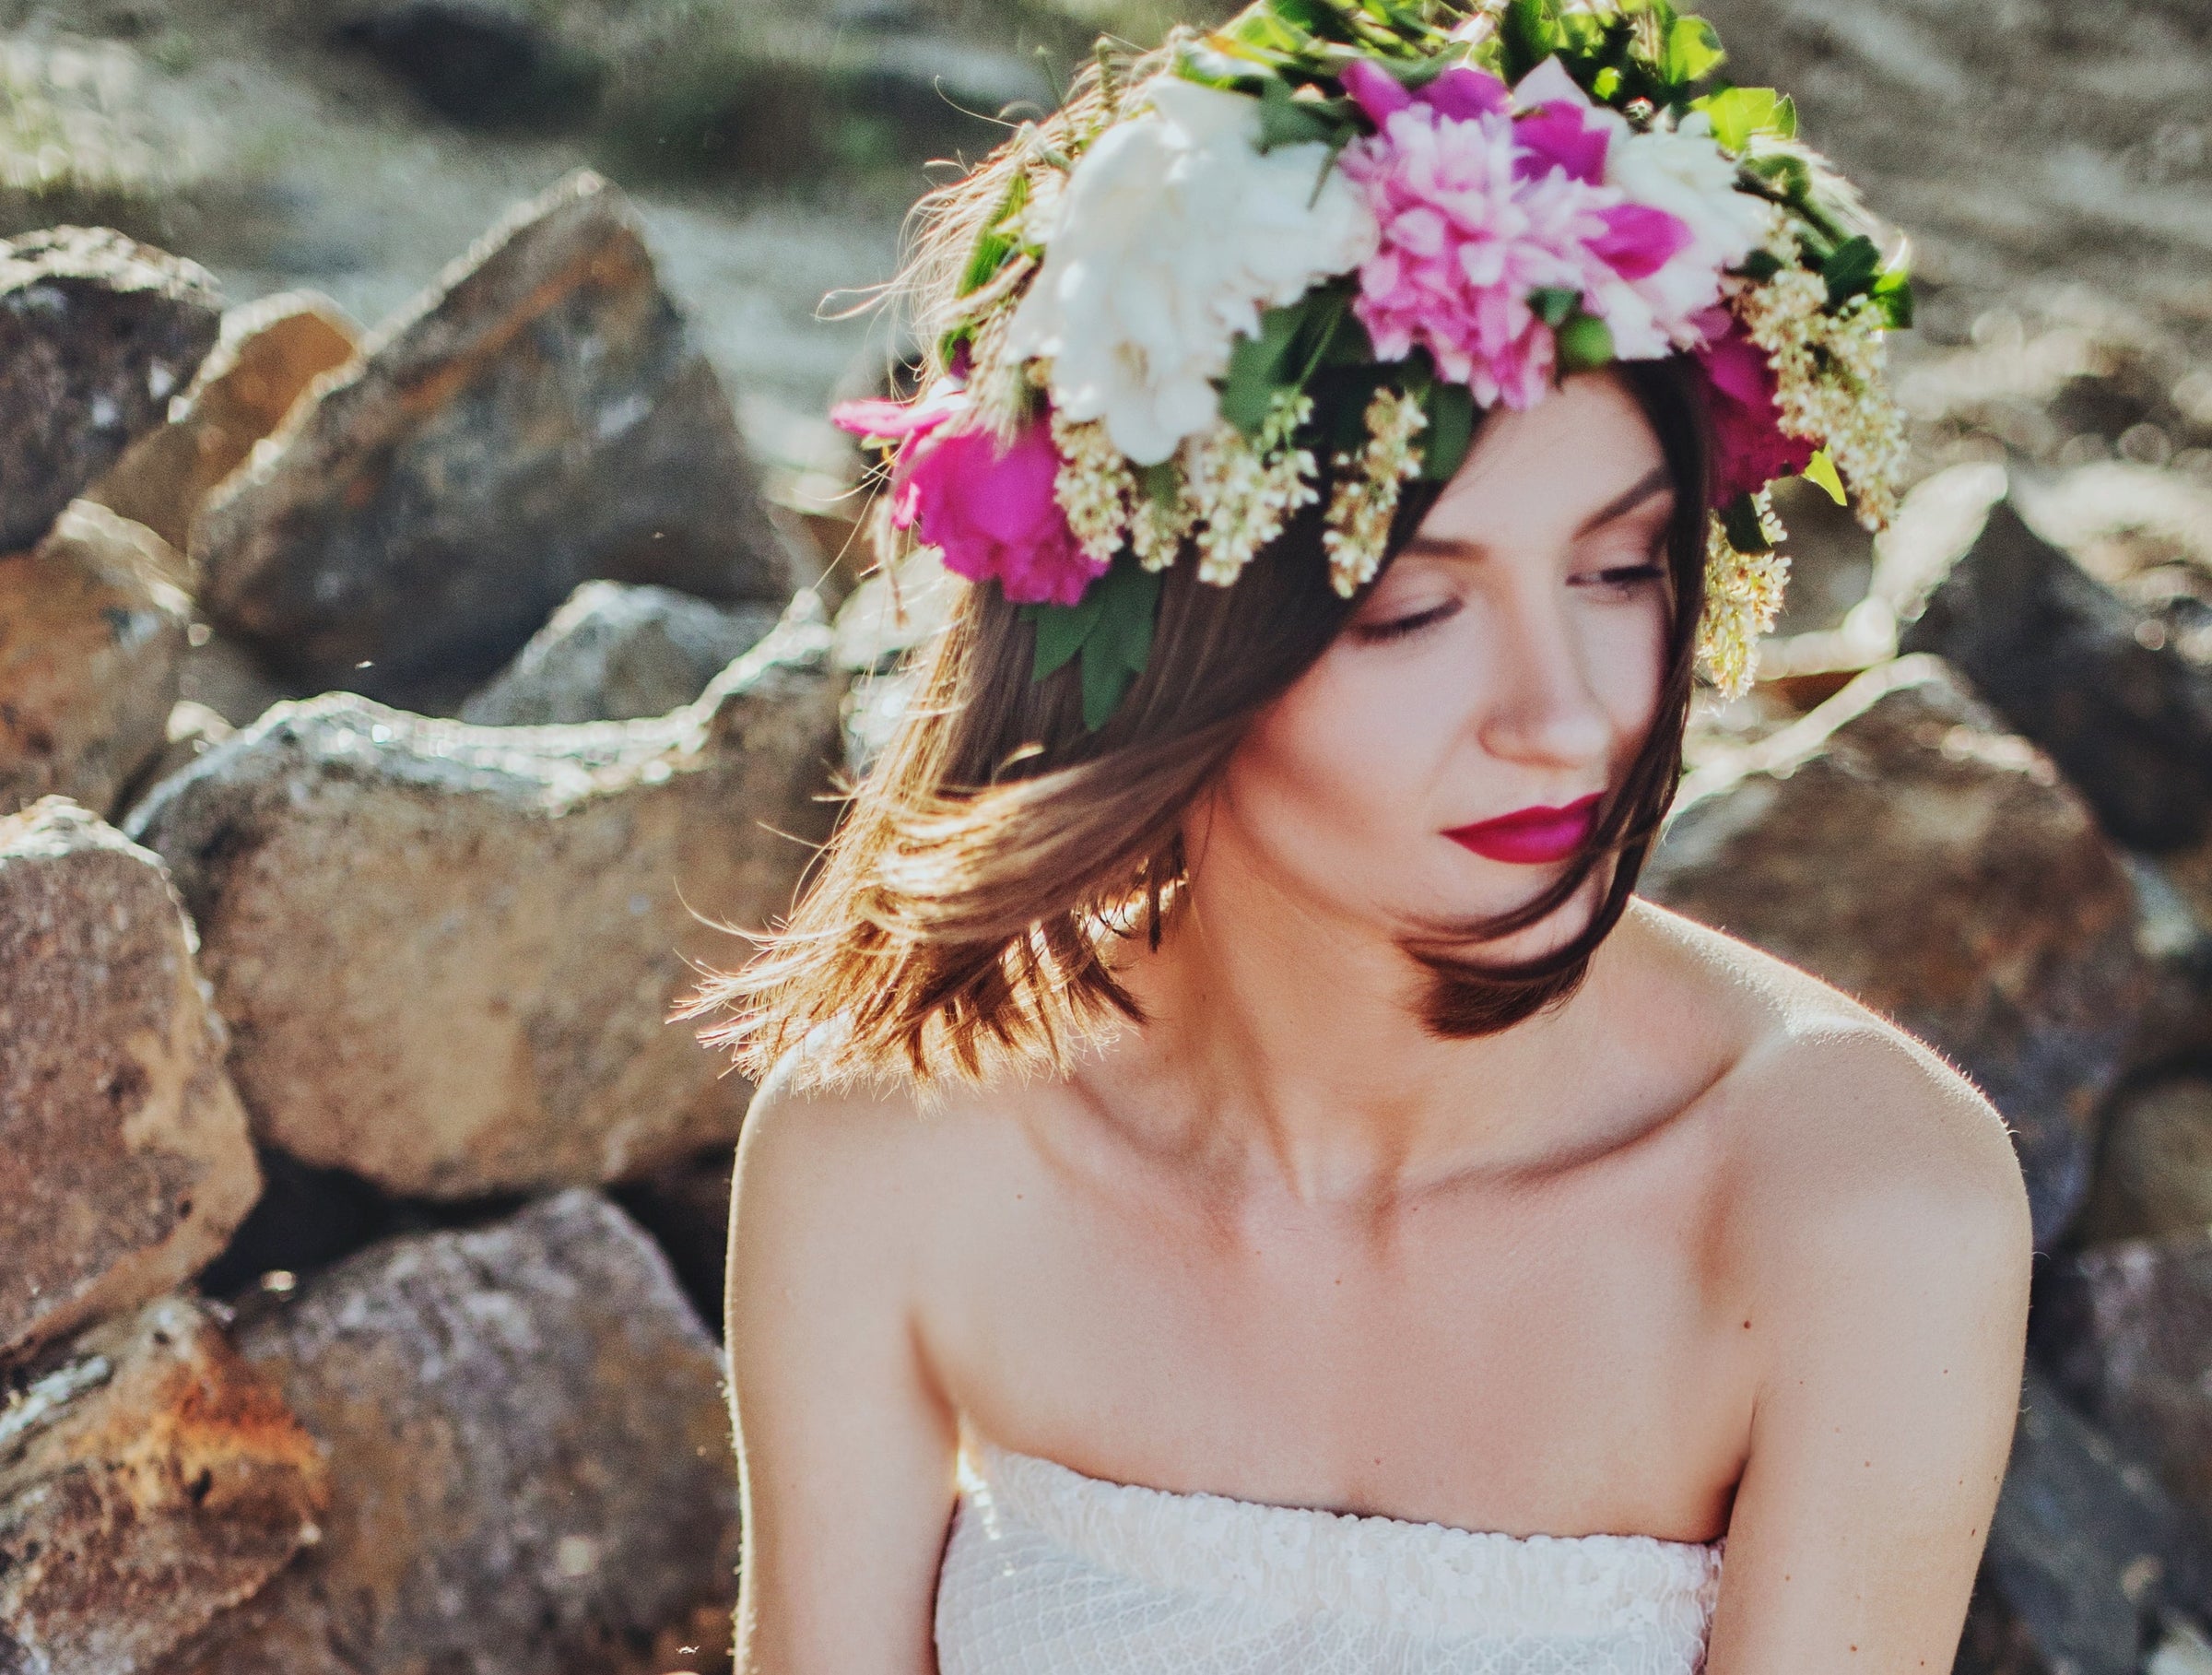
1531 837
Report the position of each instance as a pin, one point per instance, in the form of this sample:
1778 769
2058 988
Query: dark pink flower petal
1639 241
1464 93
894 421
1749 447
993 513
1555 136
1374 89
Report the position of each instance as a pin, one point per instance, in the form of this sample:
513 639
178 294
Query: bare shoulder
1851 1146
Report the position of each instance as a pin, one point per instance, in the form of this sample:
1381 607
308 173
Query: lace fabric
1048 1572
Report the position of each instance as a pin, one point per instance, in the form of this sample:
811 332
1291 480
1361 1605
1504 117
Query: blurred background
429 592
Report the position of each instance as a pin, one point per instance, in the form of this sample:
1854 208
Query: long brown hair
964 915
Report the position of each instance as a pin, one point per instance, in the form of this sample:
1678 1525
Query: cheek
1624 656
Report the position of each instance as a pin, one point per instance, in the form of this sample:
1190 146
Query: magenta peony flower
1749 447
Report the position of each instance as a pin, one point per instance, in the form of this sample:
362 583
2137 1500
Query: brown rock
92 630
194 730
2154 1165
229 680
97 332
123 1158
269 352
530 1460
447 954
1899 843
2126 1329
149 1480
542 420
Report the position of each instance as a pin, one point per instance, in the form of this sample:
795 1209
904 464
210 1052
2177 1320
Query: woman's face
1508 661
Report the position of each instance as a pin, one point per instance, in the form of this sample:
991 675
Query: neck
1288 1044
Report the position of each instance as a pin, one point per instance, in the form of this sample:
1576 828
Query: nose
1541 705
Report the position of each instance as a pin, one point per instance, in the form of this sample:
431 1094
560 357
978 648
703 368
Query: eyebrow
1654 482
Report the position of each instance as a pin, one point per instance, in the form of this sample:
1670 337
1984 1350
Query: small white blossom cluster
1743 596
1366 497
1244 491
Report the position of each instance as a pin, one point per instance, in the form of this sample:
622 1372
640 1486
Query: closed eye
1625 576
1398 627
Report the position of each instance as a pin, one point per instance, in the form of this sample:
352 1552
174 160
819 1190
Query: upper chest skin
1566 1353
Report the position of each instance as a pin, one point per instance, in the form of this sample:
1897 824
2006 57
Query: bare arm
1893 1271
845 1450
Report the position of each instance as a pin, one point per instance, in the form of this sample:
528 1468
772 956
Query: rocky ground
390 701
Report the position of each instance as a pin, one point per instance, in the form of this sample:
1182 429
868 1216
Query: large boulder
149 1480
448 953
2154 1166
125 1162
97 332
92 642
1902 844
2127 1330
269 352
2070 664
619 653
530 1458
2087 1555
543 418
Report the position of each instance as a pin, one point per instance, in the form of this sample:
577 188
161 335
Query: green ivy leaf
1255 366
1822 470
1553 304
1450 410
1585 344
1739 115
1120 644
1060 631
1693 51
1530 32
1850 270
1786 174
1740 521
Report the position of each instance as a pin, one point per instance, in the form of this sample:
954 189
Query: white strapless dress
1048 1572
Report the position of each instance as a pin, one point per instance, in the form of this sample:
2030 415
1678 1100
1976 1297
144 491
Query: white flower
1686 173
1174 232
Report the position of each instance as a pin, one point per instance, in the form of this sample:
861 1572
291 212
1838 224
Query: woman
1243 1185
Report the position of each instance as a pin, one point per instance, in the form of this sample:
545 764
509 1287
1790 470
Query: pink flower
1749 447
990 512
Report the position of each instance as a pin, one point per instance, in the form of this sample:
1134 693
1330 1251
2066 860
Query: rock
2154 1167
149 1480
543 419
2182 1649
2059 656
2086 1553
516 907
123 1158
530 1458
92 630
96 334
476 61
1901 843
2127 1331
617 653
685 1206
1994 1642
269 352
223 676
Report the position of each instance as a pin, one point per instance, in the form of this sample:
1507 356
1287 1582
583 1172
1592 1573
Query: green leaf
1530 30
1585 344
1451 409
1605 87
1741 115
1255 366
1760 265
1121 644
1284 120
1851 268
996 243
1821 469
1740 521
1892 293
1553 304
1693 51
1786 176
1062 631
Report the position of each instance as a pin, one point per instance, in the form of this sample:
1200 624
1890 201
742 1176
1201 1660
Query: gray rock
448 953
92 642
530 1460
2127 1330
125 1161
150 1480
2058 654
2086 1553
542 420
1899 843
2154 1165
97 332
617 653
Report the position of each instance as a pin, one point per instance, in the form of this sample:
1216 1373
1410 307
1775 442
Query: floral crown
1333 229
